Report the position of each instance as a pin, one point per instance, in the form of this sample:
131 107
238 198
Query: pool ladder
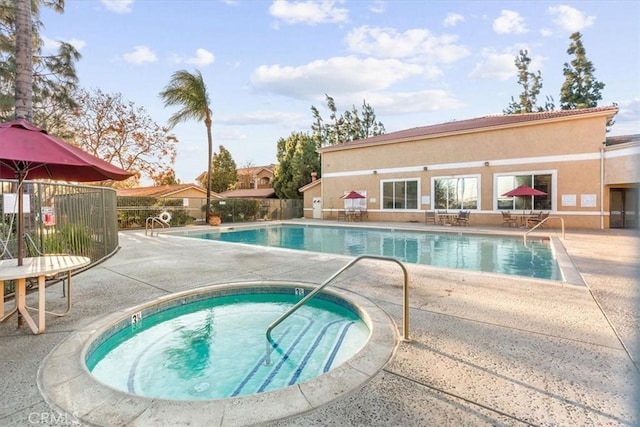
405 304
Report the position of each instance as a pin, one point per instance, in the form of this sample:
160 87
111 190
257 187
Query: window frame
405 180
554 186
477 177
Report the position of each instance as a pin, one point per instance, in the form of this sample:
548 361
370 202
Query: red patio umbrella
524 191
353 195
28 152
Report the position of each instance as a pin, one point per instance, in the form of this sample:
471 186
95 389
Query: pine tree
531 85
580 88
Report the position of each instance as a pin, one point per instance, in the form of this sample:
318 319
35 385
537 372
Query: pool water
216 347
496 254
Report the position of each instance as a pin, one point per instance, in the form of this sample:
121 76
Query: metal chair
508 219
430 217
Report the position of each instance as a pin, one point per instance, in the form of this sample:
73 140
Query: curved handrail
405 316
540 224
154 220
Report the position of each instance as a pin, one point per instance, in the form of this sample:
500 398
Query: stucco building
590 181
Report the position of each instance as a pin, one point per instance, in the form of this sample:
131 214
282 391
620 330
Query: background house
591 181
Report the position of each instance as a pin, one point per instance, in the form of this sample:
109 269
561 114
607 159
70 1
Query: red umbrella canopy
524 190
353 195
28 152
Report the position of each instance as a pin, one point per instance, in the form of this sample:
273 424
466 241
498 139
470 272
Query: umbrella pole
20 219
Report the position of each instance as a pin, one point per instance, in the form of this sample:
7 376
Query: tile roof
249 193
621 139
158 191
471 125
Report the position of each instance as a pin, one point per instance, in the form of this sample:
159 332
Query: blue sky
415 62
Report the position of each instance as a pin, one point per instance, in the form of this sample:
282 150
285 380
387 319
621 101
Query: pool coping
65 382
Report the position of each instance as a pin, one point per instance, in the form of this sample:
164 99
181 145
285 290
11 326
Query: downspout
602 186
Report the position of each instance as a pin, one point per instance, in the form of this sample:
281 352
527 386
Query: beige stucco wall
569 150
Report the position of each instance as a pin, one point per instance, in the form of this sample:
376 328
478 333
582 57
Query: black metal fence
133 211
59 218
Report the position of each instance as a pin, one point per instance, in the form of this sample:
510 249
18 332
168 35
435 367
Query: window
400 194
538 181
455 193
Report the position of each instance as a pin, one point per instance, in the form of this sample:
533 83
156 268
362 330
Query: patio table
39 267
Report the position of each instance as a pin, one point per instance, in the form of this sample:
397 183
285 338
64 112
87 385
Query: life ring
165 217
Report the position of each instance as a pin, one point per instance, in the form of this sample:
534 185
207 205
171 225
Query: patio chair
430 217
462 218
442 217
532 222
342 215
508 220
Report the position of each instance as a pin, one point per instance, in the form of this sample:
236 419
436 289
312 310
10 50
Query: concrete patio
486 349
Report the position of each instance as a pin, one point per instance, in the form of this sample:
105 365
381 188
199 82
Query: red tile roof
249 193
473 125
158 191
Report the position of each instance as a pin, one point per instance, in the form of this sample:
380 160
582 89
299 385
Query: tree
351 126
119 132
53 77
167 178
24 68
580 88
297 159
224 173
531 85
190 92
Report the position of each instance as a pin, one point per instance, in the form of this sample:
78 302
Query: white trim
612 152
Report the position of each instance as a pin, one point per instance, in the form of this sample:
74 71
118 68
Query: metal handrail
540 224
405 316
153 220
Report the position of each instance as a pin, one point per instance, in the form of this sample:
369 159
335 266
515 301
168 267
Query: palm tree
24 70
189 91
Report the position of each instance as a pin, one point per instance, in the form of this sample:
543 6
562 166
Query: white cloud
203 57
412 102
118 6
335 75
495 65
628 118
413 43
140 55
546 32
570 19
51 45
309 12
509 22
260 118
378 6
453 19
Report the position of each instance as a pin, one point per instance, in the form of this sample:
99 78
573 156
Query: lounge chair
508 220
430 217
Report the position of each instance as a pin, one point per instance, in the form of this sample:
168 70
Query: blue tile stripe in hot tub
256 367
284 358
311 350
336 347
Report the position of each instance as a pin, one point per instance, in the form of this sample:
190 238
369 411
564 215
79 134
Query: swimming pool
488 253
